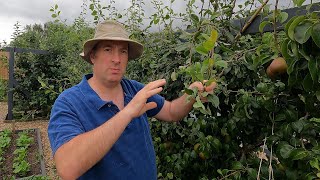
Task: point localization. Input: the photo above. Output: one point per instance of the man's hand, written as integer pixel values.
(202, 88)
(138, 105)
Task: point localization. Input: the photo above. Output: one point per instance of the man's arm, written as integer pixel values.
(180, 107)
(82, 152)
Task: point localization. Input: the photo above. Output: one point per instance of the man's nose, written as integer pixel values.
(116, 57)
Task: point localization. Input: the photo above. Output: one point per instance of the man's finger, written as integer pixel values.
(210, 88)
(150, 105)
(155, 84)
(154, 91)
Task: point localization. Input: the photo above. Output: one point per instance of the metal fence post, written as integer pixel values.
(11, 78)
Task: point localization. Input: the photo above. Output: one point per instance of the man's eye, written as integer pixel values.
(107, 49)
(125, 51)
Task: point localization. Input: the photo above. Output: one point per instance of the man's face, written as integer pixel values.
(110, 60)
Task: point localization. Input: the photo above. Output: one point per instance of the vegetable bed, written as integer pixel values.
(21, 154)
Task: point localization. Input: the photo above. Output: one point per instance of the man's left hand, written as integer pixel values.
(202, 88)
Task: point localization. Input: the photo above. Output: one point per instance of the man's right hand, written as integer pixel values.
(138, 105)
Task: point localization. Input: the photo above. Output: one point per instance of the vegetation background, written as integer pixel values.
(254, 126)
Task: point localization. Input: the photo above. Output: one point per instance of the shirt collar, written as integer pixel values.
(93, 97)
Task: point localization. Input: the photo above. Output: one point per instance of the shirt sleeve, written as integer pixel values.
(64, 124)
(155, 98)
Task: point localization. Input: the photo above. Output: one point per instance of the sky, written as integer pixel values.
(28, 12)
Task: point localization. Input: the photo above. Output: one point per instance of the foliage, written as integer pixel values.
(252, 127)
(20, 164)
(42, 77)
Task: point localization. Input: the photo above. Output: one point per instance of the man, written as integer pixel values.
(98, 129)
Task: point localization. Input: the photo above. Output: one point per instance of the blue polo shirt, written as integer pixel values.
(79, 109)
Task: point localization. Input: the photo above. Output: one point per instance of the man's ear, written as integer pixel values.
(92, 56)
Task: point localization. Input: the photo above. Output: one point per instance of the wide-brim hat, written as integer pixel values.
(113, 31)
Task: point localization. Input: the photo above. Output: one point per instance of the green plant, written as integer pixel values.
(21, 168)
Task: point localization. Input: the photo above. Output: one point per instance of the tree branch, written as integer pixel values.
(251, 19)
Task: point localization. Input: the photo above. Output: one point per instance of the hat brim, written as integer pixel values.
(135, 48)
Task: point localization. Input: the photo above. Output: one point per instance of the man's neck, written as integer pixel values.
(106, 91)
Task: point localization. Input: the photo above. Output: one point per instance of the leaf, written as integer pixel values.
(214, 100)
(262, 25)
(170, 175)
(222, 64)
(313, 68)
(202, 50)
(298, 154)
(315, 164)
(198, 104)
(293, 25)
(280, 117)
(291, 66)
(285, 150)
(283, 17)
(317, 120)
(298, 125)
(56, 6)
(194, 18)
(318, 95)
(214, 36)
(208, 45)
(286, 28)
(315, 34)
(53, 15)
(298, 2)
(307, 83)
(173, 76)
(284, 49)
(302, 32)
(236, 165)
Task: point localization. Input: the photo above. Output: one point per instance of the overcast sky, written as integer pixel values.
(37, 11)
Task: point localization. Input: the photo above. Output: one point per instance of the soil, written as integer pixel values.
(32, 158)
(43, 126)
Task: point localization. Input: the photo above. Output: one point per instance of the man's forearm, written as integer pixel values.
(180, 107)
(78, 155)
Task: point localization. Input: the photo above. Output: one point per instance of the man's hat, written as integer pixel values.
(114, 31)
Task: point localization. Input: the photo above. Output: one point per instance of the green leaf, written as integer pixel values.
(317, 120)
(202, 50)
(53, 15)
(262, 25)
(198, 104)
(298, 154)
(283, 17)
(291, 66)
(173, 76)
(298, 2)
(214, 36)
(285, 150)
(214, 100)
(315, 34)
(56, 6)
(298, 125)
(307, 83)
(170, 175)
(302, 32)
(280, 117)
(286, 28)
(293, 25)
(313, 68)
(315, 164)
(208, 45)
(236, 165)
(318, 95)
(284, 49)
(222, 64)
(194, 18)
(252, 173)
